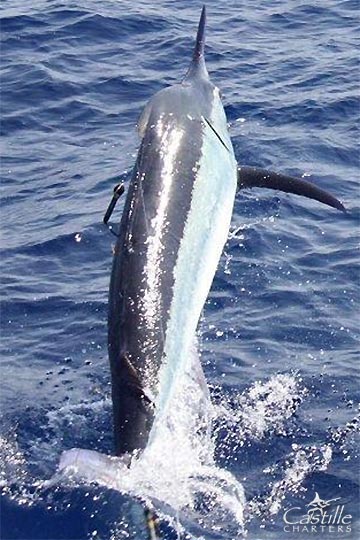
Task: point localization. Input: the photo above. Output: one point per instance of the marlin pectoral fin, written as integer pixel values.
(253, 177)
(118, 191)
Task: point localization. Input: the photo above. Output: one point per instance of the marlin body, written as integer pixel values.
(174, 226)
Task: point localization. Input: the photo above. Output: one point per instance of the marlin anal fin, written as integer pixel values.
(131, 381)
(249, 177)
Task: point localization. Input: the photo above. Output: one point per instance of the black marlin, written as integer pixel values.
(173, 228)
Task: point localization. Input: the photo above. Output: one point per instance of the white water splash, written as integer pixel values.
(12, 461)
(177, 474)
(301, 462)
(263, 408)
(177, 469)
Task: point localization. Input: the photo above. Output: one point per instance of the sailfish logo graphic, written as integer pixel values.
(319, 505)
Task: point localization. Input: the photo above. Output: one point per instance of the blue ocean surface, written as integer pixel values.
(279, 336)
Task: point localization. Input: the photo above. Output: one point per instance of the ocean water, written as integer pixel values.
(279, 337)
